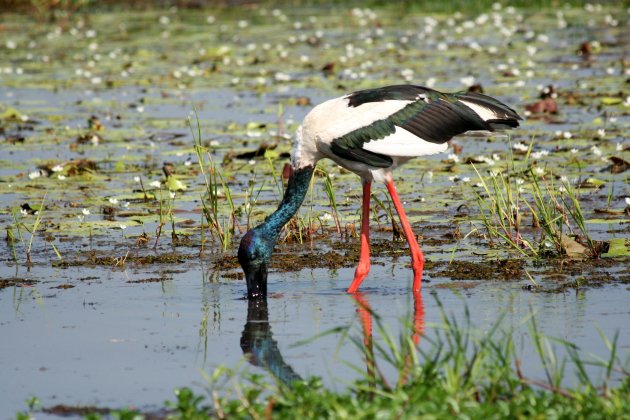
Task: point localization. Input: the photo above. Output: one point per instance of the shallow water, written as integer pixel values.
(107, 342)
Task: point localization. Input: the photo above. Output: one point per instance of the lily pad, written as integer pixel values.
(619, 247)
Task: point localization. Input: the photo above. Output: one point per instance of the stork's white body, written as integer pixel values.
(335, 118)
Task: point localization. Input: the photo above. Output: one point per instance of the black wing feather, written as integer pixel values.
(433, 116)
(358, 154)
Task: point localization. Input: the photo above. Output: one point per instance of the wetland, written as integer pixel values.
(137, 146)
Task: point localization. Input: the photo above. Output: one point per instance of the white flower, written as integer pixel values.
(57, 168)
(34, 174)
(126, 204)
(564, 179)
(156, 184)
(628, 201)
(171, 194)
(596, 151)
(562, 189)
(164, 20)
(619, 147)
(467, 81)
(601, 132)
(465, 179)
(113, 200)
(85, 212)
(11, 44)
(567, 135)
(136, 179)
(539, 170)
(521, 147)
(282, 77)
(61, 177)
(24, 212)
(122, 227)
(574, 151)
(453, 157)
(252, 162)
(519, 181)
(81, 218)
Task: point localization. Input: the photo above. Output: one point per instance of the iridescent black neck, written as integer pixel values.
(254, 253)
(293, 197)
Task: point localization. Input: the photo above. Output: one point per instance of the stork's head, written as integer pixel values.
(254, 254)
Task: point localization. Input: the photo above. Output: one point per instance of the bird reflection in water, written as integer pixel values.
(259, 346)
(262, 350)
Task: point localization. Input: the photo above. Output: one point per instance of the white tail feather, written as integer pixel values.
(483, 112)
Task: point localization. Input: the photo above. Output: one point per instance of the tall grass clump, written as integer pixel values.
(558, 212)
(558, 225)
(221, 227)
(22, 228)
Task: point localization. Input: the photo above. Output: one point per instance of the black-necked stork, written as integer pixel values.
(370, 132)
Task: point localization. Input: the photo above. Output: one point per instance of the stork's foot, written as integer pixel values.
(359, 275)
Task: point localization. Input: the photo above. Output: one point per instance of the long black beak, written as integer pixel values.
(257, 282)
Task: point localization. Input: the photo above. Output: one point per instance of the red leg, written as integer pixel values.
(417, 259)
(363, 268)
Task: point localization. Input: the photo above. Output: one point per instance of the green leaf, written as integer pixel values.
(619, 247)
(12, 114)
(174, 184)
(609, 100)
(592, 183)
